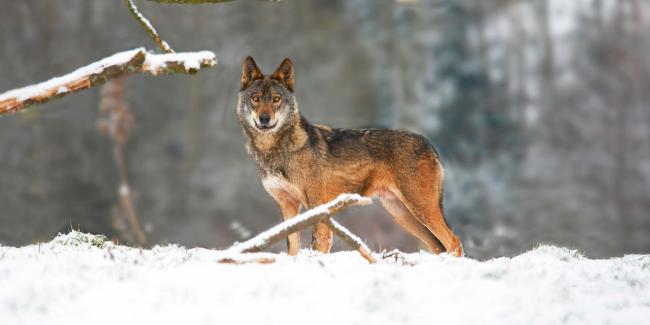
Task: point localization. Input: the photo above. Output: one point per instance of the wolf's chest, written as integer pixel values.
(278, 185)
(288, 166)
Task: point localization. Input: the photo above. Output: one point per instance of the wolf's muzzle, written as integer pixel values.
(265, 118)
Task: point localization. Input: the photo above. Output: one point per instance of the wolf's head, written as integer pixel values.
(266, 102)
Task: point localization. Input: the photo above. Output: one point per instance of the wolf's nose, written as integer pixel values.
(265, 118)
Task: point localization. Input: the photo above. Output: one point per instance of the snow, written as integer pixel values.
(142, 18)
(241, 231)
(191, 60)
(62, 90)
(84, 279)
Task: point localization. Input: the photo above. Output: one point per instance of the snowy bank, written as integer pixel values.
(84, 279)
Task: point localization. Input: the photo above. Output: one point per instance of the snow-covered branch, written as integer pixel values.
(114, 66)
(309, 218)
(351, 239)
(146, 24)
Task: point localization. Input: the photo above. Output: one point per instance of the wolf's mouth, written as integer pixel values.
(264, 127)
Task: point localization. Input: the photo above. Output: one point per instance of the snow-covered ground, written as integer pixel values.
(82, 279)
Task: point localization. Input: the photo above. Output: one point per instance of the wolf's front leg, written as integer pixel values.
(321, 239)
(290, 209)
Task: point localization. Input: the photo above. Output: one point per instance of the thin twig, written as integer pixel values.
(146, 24)
(352, 240)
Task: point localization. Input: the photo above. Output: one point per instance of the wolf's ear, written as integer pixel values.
(284, 74)
(250, 72)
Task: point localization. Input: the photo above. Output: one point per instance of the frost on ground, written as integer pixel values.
(84, 279)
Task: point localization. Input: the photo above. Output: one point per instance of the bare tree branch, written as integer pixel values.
(307, 219)
(116, 120)
(146, 24)
(97, 73)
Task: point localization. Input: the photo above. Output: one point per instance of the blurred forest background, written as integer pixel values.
(540, 110)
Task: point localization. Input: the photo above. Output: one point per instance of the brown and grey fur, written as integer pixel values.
(303, 164)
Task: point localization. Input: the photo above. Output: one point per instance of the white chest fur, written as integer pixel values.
(276, 186)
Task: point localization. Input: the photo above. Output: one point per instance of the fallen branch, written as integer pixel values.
(97, 73)
(261, 260)
(299, 222)
(146, 24)
(309, 218)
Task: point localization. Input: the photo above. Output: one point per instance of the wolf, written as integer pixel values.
(305, 165)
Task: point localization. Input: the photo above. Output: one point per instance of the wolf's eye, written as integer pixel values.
(276, 99)
(255, 98)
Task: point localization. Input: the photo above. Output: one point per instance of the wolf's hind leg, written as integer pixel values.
(430, 216)
(404, 218)
(422, 195)
(433, 219)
